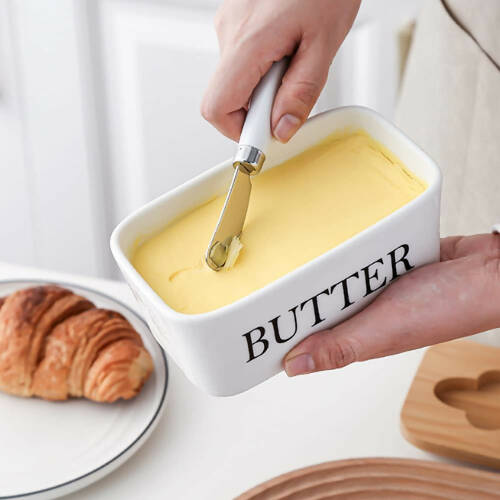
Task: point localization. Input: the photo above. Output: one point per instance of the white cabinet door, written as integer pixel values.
(99, 112)
(51, 194)
(16, 241)
(157, 62)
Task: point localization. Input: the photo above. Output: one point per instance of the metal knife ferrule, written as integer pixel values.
(249, 159)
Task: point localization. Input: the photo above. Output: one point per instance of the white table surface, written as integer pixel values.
(216, 448)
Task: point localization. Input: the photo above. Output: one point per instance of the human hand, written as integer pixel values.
(255, 33)
(456, 297)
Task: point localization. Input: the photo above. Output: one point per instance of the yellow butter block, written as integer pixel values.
(298, 211)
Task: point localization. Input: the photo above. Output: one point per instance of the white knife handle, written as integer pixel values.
(256, 133)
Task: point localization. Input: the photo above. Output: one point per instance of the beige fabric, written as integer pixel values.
(481, 18)
(450, 105)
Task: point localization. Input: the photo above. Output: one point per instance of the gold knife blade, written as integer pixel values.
(231, 220)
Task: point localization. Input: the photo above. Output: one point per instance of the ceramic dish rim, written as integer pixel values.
(124, 262)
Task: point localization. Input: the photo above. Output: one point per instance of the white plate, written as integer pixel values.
(49, 449)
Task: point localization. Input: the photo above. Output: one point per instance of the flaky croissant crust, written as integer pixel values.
(55, 344)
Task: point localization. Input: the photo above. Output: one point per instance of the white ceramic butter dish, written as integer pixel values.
(236, 347)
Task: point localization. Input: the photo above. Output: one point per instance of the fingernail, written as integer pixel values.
(286, 127)
(298, 365)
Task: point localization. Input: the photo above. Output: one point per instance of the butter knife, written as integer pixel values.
(248, 160)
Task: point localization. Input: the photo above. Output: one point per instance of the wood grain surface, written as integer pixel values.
(453, 405)
(379, 478)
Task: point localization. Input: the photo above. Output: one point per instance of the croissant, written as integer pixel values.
(55, 344)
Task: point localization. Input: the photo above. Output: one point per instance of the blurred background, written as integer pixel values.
(99, 112)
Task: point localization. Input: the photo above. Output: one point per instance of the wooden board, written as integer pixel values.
(453, 405)
(379, 478)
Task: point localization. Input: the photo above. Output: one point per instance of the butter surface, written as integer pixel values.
(298, 211)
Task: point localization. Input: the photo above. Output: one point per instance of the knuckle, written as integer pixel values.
(457, 247)
(306, 92)
(208, 111)
(494, 245)
(248, 42)
(218, 19)
(337, 354)
(492, 268)
(450, 252)
(491, 264)
(491, 258)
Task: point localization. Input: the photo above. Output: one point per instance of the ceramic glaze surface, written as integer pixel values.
(298, 210)
(231, 349)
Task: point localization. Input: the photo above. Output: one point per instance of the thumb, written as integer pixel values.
(435, 303)
(300, 88)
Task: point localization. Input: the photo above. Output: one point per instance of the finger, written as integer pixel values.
(301, 87)
(432, 304)
(455, 247)
(238, 73)
(448, 247)
(223, 104)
